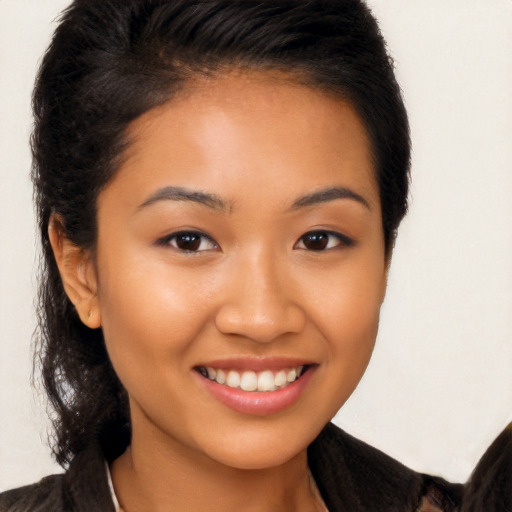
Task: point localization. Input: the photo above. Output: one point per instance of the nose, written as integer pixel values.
(259, 301)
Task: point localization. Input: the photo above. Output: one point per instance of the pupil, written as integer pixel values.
(316, 241)
(188, 242)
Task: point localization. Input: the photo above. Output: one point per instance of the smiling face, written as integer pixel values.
(241, 240)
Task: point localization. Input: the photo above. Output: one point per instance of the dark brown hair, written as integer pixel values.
(109, 62)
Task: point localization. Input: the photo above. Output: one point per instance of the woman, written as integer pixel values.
(219, 187)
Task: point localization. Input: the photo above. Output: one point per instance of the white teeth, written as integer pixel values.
(249, 380)
(292, 375)
(233, 379)
(280, 379)
(266, 381)
(220, 377)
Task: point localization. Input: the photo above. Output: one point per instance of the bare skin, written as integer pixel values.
(243, 228)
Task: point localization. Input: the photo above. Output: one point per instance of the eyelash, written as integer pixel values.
(317, 236)
(320, 235)
(202, 238)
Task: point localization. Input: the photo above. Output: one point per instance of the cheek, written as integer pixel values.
(352, 335)
(149, 315)
(350, 342)
(347, 313)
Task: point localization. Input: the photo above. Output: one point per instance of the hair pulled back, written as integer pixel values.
(109, 62)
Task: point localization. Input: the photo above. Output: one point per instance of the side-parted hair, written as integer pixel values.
(111, 61)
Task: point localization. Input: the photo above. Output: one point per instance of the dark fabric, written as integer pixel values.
(83, 488)
(354, 477)
(351, 476)
(489, 489)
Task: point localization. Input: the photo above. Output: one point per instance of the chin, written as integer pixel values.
(258, 458)
(253, 450)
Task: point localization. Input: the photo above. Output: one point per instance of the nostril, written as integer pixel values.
(262, 326)
(258, 300)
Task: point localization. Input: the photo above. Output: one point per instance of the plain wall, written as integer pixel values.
(439, 387)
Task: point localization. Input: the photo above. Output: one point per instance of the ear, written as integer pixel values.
(78, 274)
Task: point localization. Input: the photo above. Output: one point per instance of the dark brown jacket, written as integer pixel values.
(351, 476)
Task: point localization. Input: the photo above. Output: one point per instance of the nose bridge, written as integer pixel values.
(259, 303)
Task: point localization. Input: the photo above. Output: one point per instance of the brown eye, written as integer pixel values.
(322, 240)
(189, 241)
(315, 241)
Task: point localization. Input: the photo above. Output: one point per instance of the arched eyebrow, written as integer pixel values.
(329, 194)
(172, 193)
(183, 194)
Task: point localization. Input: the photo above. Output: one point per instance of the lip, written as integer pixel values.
(257, 364)
(259, 403)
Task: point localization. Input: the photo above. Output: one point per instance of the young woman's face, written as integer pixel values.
(240, 245)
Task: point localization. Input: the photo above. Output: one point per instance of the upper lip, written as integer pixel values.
(256, 363)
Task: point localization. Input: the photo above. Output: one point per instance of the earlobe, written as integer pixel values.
(77, 272)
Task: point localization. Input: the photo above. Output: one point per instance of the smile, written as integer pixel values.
(249, 380)
(256, 387)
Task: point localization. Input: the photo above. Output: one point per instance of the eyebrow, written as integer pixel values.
(329, 194)
(214, 202)
(183, 194)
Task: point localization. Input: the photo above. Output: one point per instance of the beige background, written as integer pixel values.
(439, 387)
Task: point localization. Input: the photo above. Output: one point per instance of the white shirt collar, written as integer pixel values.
(111, 488)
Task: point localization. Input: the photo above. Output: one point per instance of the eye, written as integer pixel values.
(323, 240)
(189, 241)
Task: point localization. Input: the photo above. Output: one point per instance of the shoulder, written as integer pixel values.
(45, 495)
(489, 487)
(82, 488)
(353, 475)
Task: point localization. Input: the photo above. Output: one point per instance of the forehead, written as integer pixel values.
(250, 130)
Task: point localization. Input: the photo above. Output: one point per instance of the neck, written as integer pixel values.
(160, 474)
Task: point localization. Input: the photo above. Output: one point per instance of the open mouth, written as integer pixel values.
(249, 380)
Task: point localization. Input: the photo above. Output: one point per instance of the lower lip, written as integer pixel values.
(258, 402)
